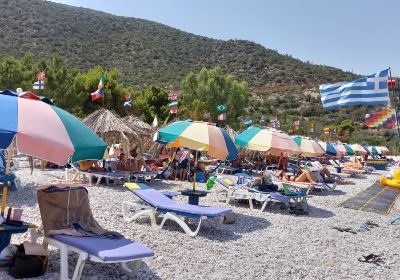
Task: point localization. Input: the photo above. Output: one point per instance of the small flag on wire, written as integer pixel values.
(173, 110)
(128, 101)
(173, 95)
(38, 85)
(221, 108)
(99, 93)
(372, 90)
(248, 122)
(41, 76)
(385, 119)
(327, 130)
(155, 122)
(222, 117)
(297, 122)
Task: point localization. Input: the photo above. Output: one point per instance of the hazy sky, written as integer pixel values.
(355, 35)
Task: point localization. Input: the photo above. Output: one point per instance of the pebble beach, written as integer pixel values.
(259, 245)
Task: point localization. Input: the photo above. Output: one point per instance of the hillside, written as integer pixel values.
(145, 52)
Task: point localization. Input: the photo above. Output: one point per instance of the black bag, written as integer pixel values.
(28, 266)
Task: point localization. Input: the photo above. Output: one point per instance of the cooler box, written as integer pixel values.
(378, 164)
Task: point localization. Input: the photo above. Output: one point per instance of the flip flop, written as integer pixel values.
(372, 258)
(371, 224)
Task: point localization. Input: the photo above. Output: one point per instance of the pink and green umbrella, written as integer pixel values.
(47, 132)
(309, 147)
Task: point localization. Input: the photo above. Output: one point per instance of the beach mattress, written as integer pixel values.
(107, 249)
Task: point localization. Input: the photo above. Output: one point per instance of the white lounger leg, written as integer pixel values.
(131, 272)
(182, 224)
(79, 265)
(63, 262)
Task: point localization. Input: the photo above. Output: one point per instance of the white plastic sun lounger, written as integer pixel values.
(151, 202)
(116, 176)
(351, 171)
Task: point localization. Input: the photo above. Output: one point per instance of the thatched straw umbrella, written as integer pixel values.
(144, 130)
(109, 126)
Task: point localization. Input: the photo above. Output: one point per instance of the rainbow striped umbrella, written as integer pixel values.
(309, 147)
(46, 132)
(267, 140)
(328, 148)
(199, 136)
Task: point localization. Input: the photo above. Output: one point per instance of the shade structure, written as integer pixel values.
(366, 149)
(384, 150)
(374, 150)
(340, 149)
(309, 147)
(328, 148)
(349, 150)
(46, 132)
(358, 149)
(200, 136)
(268, 140)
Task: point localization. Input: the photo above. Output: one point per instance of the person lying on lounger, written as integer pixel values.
(90, 165)
(303, 177)
(134, 164)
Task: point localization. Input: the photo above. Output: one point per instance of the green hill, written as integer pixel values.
(145, 52)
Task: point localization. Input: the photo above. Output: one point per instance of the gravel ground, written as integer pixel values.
(268, 245)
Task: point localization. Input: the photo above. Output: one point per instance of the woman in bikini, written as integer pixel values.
(303, 177)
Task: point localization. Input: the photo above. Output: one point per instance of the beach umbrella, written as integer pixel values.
(384, 150)
(268, 140)
(46, 132)
(349, 150)
(199, 136)
(375, 150)
(340, 149)
(309, 147)
(366, 149)
(358, 149)
(328, 148)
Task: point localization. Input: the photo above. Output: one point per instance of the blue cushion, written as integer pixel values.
(107, 249)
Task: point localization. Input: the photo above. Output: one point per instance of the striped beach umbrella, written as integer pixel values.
(374, 150)
(267, 140)
(199, 136)
(328, 148)
(340, 149)
(358, 149)
(349, 150)
(309, 147)
(47, 132)
(384, 150)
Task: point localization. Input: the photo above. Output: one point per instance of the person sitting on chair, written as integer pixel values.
(303, 177)
(90, 165)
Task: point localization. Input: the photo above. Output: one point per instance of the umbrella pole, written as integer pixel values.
(195, 171)
(4, 194)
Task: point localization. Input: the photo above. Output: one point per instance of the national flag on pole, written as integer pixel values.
(173, 105)
(248, 122)
(221, 108)
(297, 122)
(173, 111)
(155, 122)
(173, 95)
(372, 90)
(41, 76)
(222, 117)
(99, 93)
(38, 85)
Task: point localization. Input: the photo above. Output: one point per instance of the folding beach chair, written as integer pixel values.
(89, 248)
(150, 202)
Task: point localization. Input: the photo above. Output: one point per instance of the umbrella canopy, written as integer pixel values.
(309, 147)
(109, 126)
(358, 149)
(340, 149)
(199, 136)
(384, 150)
(46, 132)
(349, 150)
(28, 95)
(366, 149)
(328, 148)
(267, 140)
(375, 150)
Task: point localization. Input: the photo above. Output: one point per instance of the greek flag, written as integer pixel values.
(372, 90)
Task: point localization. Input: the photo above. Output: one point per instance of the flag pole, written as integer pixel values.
(396, 109)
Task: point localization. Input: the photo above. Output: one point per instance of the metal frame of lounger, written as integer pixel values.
(143, 208)
(98, 175)
(249, 191)
(144, 175)
(84, 256)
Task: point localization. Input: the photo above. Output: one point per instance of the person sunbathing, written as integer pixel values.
(90, 165)
(353, 165)
(303, 177)
(133, 164)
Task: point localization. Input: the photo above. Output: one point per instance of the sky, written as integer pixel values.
(354, 35)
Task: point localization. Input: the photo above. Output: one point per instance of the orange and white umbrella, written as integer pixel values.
(309, 147)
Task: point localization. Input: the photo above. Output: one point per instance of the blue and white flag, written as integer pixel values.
(372, 90)
(38, 85)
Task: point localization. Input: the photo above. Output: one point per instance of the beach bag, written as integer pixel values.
(27, 266)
